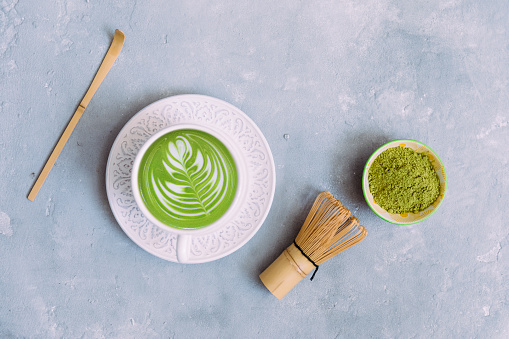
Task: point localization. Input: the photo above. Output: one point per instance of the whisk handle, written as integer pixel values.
(286, 271)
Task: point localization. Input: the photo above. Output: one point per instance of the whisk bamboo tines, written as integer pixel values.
(330, 228)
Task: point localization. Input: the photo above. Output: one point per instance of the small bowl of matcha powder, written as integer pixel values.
(404, 181)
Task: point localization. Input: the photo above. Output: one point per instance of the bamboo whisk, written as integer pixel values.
(329, 229)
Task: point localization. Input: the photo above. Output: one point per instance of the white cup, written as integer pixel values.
(184, 236)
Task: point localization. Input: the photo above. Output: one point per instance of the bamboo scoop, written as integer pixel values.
(329, 229)
(109, 59)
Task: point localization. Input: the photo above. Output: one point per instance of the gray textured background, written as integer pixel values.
(340, 78)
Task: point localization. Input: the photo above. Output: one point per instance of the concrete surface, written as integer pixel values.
(339, 79)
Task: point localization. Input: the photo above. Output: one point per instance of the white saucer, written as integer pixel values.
(207, 111)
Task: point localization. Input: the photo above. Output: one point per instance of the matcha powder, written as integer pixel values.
(403, 180)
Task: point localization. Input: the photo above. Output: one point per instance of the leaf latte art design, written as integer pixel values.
(188, 179)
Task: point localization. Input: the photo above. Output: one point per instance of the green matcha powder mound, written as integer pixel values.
(403, 180)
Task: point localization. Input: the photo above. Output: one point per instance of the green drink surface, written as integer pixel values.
(187, 179)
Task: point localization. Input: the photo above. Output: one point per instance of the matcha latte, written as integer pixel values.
(187, 179)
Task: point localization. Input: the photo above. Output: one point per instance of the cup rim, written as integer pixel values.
(365, 173)
(239, 165)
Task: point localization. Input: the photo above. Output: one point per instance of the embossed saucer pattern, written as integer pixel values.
(207, 111)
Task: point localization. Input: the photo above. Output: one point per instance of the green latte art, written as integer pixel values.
(187, 179)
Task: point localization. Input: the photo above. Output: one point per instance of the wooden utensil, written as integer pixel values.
(109, 59)
(329, 229)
